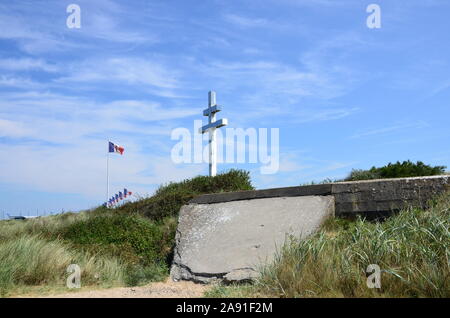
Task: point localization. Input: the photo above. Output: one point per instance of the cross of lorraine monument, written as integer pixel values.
(211, 111)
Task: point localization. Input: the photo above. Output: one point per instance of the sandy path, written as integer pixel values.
(167, 289)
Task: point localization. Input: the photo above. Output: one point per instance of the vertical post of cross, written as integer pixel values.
(212, 135)
(211, 111)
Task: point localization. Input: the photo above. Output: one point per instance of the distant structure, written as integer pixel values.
(20, 217)
(211, 111)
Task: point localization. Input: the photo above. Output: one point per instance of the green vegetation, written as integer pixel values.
(131, 236)
(168, 199)
(129, 245)
(396, 170)
(133, 244)
(411, 248)
(31, 260)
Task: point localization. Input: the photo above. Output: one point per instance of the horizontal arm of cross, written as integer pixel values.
(217, 124)
(212, 110)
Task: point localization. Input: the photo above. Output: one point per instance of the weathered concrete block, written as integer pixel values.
(228, 241)
(226, 236)
(384, 196)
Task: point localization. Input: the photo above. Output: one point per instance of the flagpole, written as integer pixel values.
(107, 176)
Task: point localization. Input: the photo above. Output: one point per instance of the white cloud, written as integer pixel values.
(81, 168)
(14, 129)
(64, 149)
(18, 82)
(132, 71)
(38, 33)
(390, 129)
(245, 21)
(74, 117)
(26, 64)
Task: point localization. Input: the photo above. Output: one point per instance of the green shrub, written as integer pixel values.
(169, 198)
(396, 170)
(143, 241)
(139, 275)
(360, 174)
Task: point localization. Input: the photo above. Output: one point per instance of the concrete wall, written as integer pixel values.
(229, 240)
(371, 198)
(227, 236)
(375, 198)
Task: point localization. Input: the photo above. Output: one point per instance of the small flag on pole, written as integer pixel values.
(120, 195)
(116, 148)
(127, 193)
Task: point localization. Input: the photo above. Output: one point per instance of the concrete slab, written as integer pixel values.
(230, 240)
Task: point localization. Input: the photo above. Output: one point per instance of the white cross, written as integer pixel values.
(211, 111)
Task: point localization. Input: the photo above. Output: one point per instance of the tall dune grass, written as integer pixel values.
(31, 260)
(43, 226)
(412, 250)
(129, 245)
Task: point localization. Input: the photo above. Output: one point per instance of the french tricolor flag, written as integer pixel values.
(116, 148)
(126, 192)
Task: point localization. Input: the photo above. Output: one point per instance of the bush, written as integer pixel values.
(139, 275)
(169, 198)
(396, 170)
(131, 237)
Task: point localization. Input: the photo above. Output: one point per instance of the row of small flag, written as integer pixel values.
(117, 197)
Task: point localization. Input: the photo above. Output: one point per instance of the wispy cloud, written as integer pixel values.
(245, 22)
(390, 129)
(18, 82)
(137, 69)
(131, 71)
(27, 64)
(10, 128)
(67, 136)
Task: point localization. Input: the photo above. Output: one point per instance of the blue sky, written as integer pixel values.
(343, 96)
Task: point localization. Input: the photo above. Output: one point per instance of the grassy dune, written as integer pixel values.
(31, 260)
(133, 244)
(130, 245)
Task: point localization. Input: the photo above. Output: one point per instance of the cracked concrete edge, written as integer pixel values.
(180, 272)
